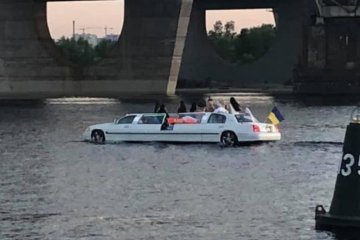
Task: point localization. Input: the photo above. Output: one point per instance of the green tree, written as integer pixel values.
(103, 47)
(222, 38)
(230, 30)
(81, 53)
(217, 31)
(246, 47)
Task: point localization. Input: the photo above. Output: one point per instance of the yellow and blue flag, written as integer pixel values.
(275, 116)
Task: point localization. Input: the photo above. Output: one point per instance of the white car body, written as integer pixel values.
(210, 127)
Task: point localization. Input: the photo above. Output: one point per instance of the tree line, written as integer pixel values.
(245, 47)
(81, 52)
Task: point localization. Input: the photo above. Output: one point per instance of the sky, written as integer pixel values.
(96, 16)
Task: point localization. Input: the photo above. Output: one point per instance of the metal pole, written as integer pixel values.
(73, 30)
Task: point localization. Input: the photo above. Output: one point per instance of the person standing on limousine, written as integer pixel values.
(182, 107)
(210, 107)
(235, 105)
(219, 108)
(193, 107)
(162, 109)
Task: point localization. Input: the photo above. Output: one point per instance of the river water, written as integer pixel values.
(53, 186)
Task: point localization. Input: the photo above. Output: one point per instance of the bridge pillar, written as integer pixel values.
(26, 68)
(2, 70)
(331, 61)
(202, 66)
(145, 61)
(148, 55)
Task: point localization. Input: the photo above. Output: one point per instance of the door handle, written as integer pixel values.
(221, 126)
(126, 126)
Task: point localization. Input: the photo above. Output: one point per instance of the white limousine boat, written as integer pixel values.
(200, 127)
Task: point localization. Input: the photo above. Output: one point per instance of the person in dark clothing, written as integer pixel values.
(156, 107)
(201, 104)
(193, 107)
(182, 107)
(209, 105)
(162, 109)
(235, 104)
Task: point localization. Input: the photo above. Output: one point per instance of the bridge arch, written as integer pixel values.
(202, 64)
(231, 50)
(99, 29)
(140, 65)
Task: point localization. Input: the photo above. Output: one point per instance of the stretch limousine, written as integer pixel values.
(225, 128)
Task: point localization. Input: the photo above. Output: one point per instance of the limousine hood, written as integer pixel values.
(101, 126)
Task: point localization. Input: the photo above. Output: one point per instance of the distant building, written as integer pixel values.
(91, 38)
(112, 37)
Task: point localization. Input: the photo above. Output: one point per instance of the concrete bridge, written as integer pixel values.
(164, 42)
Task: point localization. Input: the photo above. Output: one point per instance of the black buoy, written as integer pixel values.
(344, 211)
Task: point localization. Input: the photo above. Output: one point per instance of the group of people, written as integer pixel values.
(221, 106)
(209, 106)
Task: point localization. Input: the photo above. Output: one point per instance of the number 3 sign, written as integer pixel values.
(349, 161)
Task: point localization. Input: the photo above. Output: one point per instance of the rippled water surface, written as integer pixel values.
(53, 186)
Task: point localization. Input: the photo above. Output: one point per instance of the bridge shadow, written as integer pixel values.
(22, 103)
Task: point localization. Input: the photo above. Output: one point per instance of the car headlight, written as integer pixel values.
(87, 129)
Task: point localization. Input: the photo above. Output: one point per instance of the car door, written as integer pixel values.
(184, 132)
(213, 126)
(148, 128)
(119, 131)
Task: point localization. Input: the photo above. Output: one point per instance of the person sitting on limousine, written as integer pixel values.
(219, 108)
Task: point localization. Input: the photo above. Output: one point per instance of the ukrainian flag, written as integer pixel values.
(275, 116)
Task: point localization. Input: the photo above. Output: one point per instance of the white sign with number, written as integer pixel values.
(349, 161)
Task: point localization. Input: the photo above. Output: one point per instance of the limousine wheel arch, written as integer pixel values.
(228, 139)
(97, 136)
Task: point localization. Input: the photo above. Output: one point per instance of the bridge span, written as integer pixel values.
(164, 42)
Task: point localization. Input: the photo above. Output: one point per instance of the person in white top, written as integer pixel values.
(219, 108)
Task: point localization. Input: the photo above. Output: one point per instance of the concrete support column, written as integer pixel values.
(203, 66)
(316, 49)
(147, 58)
(145, 61)
(181, 34)
(26, 66)
(2, 70)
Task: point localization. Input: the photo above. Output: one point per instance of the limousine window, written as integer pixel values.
(217, 118)
(151, 119)
(242, 119)
(126, 120)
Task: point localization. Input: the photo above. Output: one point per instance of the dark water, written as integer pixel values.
(54, 187)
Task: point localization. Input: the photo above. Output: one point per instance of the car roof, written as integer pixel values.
(145, 114)
(185, 113)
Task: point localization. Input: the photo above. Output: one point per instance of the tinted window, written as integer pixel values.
(217, 118)
(241, 118)
(152, 119)
(126, 120)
